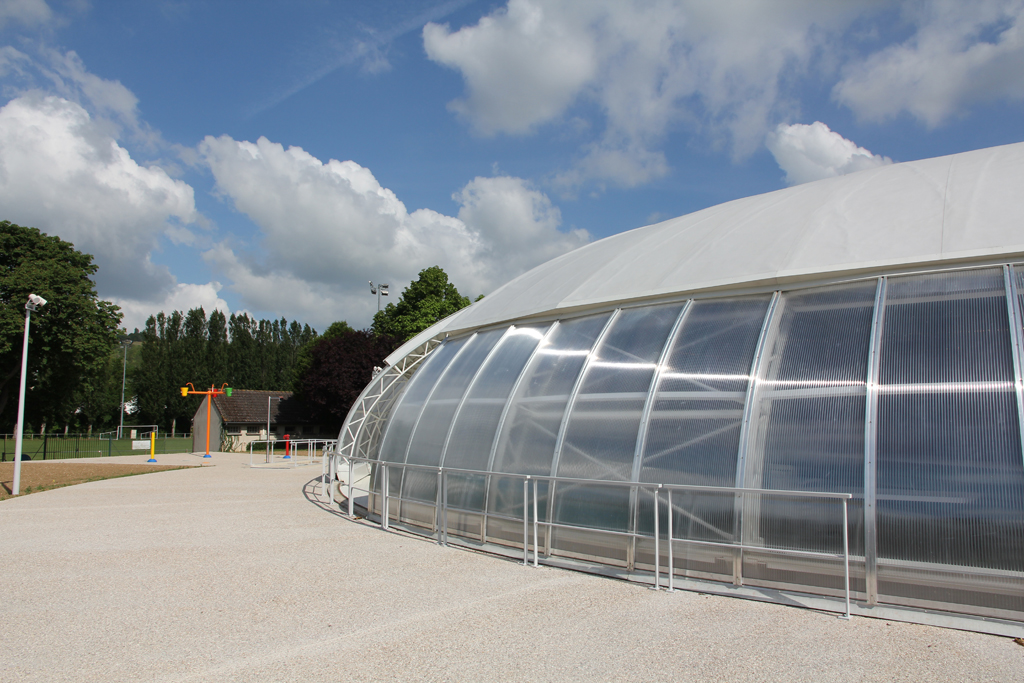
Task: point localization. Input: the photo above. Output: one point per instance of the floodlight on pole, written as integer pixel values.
(125, 343)
(379, 290)
(33, 304)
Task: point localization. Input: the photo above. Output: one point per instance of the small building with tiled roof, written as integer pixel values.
(243, 417)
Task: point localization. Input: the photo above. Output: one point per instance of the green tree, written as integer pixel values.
(340, 367)
(99, 398)
(424, 302)
(303, 359)
(71, 337)
(187, 347)
(217, 348)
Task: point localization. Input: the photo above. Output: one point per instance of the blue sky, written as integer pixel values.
(272, 157)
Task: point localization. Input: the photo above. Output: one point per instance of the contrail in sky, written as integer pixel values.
(360, 49)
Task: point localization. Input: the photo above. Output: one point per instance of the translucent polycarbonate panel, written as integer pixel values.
(600, 436)
(526, 443)
(950, 476)
(428, 438)
(694, 428)
(601, 432)
(809, 412)
(469, 446)
(403, 417)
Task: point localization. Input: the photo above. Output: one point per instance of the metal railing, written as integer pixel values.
(441, 509)
(299, 451)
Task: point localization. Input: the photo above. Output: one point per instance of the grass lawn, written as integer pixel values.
(43, 476)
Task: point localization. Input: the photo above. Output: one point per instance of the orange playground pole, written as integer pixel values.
(185, 391)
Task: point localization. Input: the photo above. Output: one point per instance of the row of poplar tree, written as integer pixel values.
(190, 347)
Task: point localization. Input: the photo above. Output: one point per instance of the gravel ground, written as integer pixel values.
(228, 573)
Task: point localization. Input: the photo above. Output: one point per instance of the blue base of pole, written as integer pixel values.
(287, 457)
(151, 460)
(207, 456)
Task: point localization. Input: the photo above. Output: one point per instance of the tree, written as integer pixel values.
(424, 302)
(340, 367)
(304, 357)
(241, 351)
(216, 359)
(71, 337)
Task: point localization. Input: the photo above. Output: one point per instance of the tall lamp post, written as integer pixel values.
(379, 290)
(33, 304)
(126, 343)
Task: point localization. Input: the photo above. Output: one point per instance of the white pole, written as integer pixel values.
(15, 487)
(124, 370)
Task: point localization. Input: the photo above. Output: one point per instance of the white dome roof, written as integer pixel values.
(959, 207)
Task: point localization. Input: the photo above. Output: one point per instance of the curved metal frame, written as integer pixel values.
(748, 429)
(871, 446)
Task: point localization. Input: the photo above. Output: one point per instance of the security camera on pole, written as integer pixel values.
(34, 302)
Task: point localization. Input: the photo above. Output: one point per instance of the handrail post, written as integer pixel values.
(437, 506)
(384, 497)
(657, 540)
(671, 558)
(329, 468)
(536, 536)
(526, 521)
(846, 554)
(351, 503)
(444, 504)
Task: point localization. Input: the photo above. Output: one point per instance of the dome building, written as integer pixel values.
(756, 369)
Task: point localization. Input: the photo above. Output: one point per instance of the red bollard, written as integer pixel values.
(286, 454)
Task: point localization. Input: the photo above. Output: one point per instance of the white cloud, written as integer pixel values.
(28, 12)
(960, 54)
(523, 65)
(517, 226)
(48, 71)
(62, 172)
(329, 227)
(717, 68)
(726, 72)
(181, 297)
(812, 152)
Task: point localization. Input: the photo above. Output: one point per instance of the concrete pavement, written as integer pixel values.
(228, 573)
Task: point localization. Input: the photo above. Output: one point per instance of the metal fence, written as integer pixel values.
(59, 446)
(658, 494)
(290, 452)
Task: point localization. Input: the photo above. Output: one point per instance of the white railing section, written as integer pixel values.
(658, 492)
(300, 452)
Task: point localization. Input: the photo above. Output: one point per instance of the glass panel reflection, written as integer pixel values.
(809, 410)
(600, 437)
(469, 446)
(950, 479)
(526, 444)
(428, 438)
